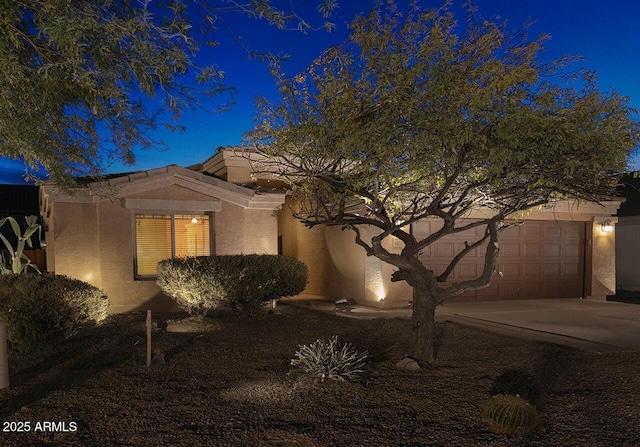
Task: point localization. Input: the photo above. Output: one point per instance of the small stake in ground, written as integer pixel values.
(148, 339)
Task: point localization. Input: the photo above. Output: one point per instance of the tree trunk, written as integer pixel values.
(423, 340)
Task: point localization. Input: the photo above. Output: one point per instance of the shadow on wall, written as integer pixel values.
(157, 303)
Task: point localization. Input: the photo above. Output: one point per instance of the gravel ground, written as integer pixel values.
(224, 382)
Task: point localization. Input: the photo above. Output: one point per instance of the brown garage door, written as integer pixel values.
(538, 259)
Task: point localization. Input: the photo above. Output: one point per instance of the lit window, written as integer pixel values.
(165, 236)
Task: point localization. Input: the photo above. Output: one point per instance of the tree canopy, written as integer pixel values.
(421, 116)
(76, 75)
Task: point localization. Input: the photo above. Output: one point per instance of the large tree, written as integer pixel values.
(76, 75)
(419, 116)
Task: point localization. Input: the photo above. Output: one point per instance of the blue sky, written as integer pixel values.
(604, 33)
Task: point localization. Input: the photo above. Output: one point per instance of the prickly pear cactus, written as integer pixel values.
(504, 413)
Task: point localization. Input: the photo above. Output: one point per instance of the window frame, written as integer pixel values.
(172, 215)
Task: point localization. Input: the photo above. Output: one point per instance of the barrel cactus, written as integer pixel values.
(508, 414)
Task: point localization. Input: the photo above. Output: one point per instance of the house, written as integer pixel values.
(627, 235)
(567, 250)
(113, 232)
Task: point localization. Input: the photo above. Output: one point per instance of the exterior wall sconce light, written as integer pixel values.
(606, 227)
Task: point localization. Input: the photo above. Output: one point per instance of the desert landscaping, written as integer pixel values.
(224, 381)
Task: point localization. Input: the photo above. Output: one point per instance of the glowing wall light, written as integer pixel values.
(606, 227)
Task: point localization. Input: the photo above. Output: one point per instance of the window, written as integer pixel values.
(164, 236)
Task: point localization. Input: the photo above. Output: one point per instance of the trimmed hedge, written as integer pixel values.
(199, 284)
(41, 309)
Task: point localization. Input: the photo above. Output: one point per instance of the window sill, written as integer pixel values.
(145, 278)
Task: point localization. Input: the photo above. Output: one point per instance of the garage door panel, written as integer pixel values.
(531, 229)
(553, 249)
(552, 230)
(571, 250)
(445, 249)
(572, 230)
(510, 270)
(510, 249)
(570, 269)
(531, 249)
(538, 259)
(472, 233)
(467, 271)
(530, 270)
(551, 269)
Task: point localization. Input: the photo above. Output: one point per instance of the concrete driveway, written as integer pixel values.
(590, 325)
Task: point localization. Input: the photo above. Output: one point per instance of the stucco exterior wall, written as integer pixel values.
(239, 230)
(347, 265)
(601, 276)
(77, 252)
(308, 246)
(229, 230)
(117, 250)
(173, 192)
(261, 231)
(338, 267)
(94, 241)
(627, 235)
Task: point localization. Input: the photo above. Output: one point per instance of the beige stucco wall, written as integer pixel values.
(94, 242)
(77, 252)
(260, 231)
(116, 264)
(627, 235)
(338, 267)
(601, 251)
(240, 230)
(361, 278)
(308, 246)
(228, 230)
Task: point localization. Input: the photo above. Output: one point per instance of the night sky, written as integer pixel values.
(604, 33)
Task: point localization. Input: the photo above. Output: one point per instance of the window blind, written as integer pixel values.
(165, 236)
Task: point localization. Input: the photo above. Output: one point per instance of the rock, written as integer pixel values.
(408, 364)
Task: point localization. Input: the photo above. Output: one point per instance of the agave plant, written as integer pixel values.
(18, 261)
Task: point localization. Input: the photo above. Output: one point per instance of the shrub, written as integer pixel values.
(195, 288)
(331, 360)
(513, 415)
(517, 381)
(199, 284)
(40, 309)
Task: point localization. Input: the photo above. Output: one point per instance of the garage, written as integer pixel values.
(538, 259)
